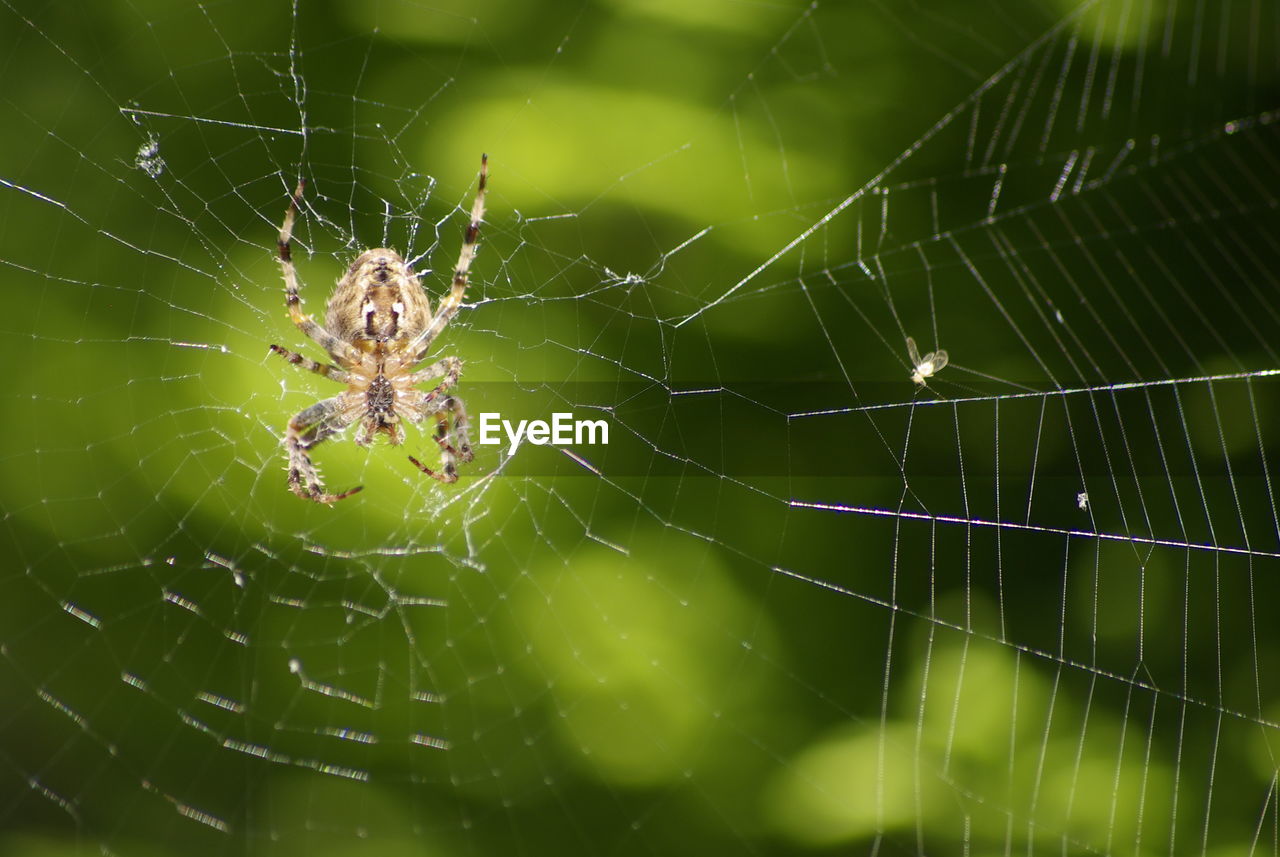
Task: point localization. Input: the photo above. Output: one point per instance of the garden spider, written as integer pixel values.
(378, 326)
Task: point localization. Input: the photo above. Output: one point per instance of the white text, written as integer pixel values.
(563, 430)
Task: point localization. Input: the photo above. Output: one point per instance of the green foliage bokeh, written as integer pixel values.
(672, 656)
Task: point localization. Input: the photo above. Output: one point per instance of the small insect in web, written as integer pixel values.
(378, 327)
(923, 368)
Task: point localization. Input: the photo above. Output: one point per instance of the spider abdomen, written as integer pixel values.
(379, 300)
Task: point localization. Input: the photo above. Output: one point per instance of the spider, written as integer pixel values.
(378, 326)
(921, 369)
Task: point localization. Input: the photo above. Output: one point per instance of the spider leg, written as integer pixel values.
(449, 369)
(450, 303)
(441, 409)
(331, 372)
(306, 430)
(341, 351)
(460, 423)
(435, 402)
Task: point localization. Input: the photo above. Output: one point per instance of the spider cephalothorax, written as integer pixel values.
(378, 328)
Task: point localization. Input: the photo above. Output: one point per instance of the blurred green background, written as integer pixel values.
(797, 605)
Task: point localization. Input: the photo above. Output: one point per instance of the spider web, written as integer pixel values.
(798, 603)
